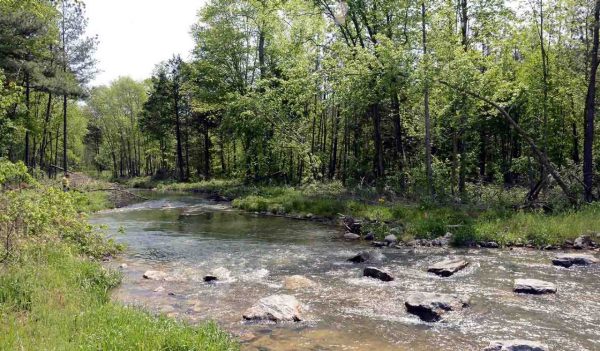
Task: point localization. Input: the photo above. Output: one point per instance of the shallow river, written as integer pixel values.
(189, 237)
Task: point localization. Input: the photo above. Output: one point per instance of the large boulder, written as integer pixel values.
(377, 273)
(583, 242)
(275, 308)
(448, 267)
(568, 260)
(516, 345)
(294, 282)
(431, 307)
(155, 275)
(534, 286)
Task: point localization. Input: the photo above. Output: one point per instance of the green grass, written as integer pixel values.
(54, 300)
(538, 228)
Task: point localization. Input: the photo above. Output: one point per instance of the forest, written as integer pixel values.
(430, 99)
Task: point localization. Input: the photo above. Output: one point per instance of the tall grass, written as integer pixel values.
(54, 300)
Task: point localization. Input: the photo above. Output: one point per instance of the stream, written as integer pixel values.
(188, 237)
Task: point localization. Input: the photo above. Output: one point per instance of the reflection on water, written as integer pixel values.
(189, 237)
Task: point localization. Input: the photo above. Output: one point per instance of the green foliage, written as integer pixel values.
(13, 173)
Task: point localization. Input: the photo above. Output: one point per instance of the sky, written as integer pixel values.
(135, 35)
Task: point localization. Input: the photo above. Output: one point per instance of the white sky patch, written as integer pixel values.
(135, 35)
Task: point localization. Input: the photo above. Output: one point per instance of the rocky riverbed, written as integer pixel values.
(328, 301)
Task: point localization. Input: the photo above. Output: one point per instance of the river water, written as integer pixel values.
(189, 237)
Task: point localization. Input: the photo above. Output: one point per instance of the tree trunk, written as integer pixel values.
(377, 139)
(589, 113)
(428, 161)
(65, 161)
(178, 133)
(28, 106)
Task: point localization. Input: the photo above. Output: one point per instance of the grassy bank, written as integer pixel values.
(384, 214)
(53, 299)
(54, 293)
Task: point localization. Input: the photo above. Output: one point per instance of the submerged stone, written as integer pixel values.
(155, 275)
(516, 345)
(431, 307)
(361, 257)
(297, 282)
(448, 267)
(534, 286)
(275, 308)
(377, 273)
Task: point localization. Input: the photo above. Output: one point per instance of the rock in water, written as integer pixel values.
(377, 273)
(448, 267)
(210, 278)
(351, 236)
(431, 307)
(534, 286)
(567, 260)
(490, 244)
(275, 308)
(155, 275)
(378, 243)
(582, 242)
(297, 282)
(516, 345)
(361, 257)
(390, 240)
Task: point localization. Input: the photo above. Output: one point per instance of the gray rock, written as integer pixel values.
(275, 308)
(516, 345)
(377, 273)
(567, 260)
(431, 307)
(370, 237)
(534, 286)
(155, 275)
(448, 267)
(351, 236)
(582, 242)
(390, 240)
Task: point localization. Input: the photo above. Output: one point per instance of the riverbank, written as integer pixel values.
(54, 290)
(491, 221)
